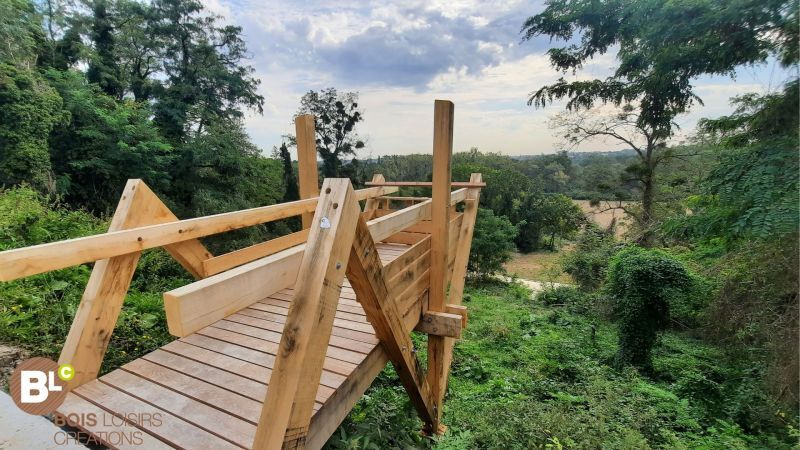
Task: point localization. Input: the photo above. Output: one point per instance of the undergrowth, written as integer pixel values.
(526, 375)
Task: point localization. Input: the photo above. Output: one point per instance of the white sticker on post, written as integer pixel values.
(324, 223)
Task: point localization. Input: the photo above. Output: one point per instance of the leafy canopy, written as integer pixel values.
(661, 47)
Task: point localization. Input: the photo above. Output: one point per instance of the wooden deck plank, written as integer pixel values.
(77, 407)
(208, 418)
(331, 364)
(214, 396)
(173, 430)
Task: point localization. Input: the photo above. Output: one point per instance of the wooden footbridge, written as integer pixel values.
(277, 341)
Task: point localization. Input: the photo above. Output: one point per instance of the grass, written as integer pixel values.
(542, 265)
(530, 376)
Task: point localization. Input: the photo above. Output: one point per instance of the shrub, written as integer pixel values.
(492, 244)
(641, 283)
(588, 263)
(560, 295)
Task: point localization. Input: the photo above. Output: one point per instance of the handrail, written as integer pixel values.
(22, 262)
(455, 184)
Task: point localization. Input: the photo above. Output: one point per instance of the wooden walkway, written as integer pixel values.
(276, 341)
(208, 387)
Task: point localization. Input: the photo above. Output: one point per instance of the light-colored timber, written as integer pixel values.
(277, 341)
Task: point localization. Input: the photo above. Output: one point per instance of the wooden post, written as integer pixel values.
(108, 284)
(371, 205)
(289, 402)
(440, 221)
(307, 174)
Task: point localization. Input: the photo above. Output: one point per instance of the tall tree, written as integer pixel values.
(292, 191)
(205, 79)
(337, 116)
(661, 48)
(103, 68)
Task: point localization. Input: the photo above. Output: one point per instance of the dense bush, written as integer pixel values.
(642, 283)
(492, 244)
(587, 264)
(560, 295)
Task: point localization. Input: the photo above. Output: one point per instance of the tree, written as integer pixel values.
(104, 143)
(201, 64)
(336, 118)
(623, 126)
(29, 110)
(538, 215)
(492, 244)
(292, 191)
(661, 50)
(103, 68)
(20, 29)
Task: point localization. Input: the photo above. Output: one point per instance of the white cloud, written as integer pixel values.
(401, 56)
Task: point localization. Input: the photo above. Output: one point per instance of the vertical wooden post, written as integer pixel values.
(307, 174)
(289, 402)
(108, 284)
(440, 221)
(371, 205)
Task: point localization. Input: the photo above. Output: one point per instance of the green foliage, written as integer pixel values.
(29, 110)
(660, 50)
(36, 312)
(19, 32)
(105, 143)
(547, 216)
(521, 380)
(641, 283)
(492, 244)
(560, 295)
(588, 262)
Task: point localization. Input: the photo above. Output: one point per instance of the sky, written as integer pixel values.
(402, 55)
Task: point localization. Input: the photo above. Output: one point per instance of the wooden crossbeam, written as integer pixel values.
(108, 284)
(289, 402)
(458, 184)
(365, 273)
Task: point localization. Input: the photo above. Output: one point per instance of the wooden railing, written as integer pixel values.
(421, 289)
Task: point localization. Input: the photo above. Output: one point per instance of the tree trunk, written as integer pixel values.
(648, 192)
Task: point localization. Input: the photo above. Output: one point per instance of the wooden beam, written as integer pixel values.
(289, 402)
(440, 218)
(365, 273)
(307, 173)
(440, 324)
(371, 205)
(108, 285)
(37, 259)
(245, 255)
(464, 243)
(461, 311)
(458, 184)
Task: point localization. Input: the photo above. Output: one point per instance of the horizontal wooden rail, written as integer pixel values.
(235, 258)
(203, 302)
(455, 184)
(28, 261)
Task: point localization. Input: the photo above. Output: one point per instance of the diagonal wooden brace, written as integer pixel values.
(365, 273)
(108, 284)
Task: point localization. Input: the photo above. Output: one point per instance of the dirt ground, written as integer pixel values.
(10, 357)
(541, 266)
(604, 218)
